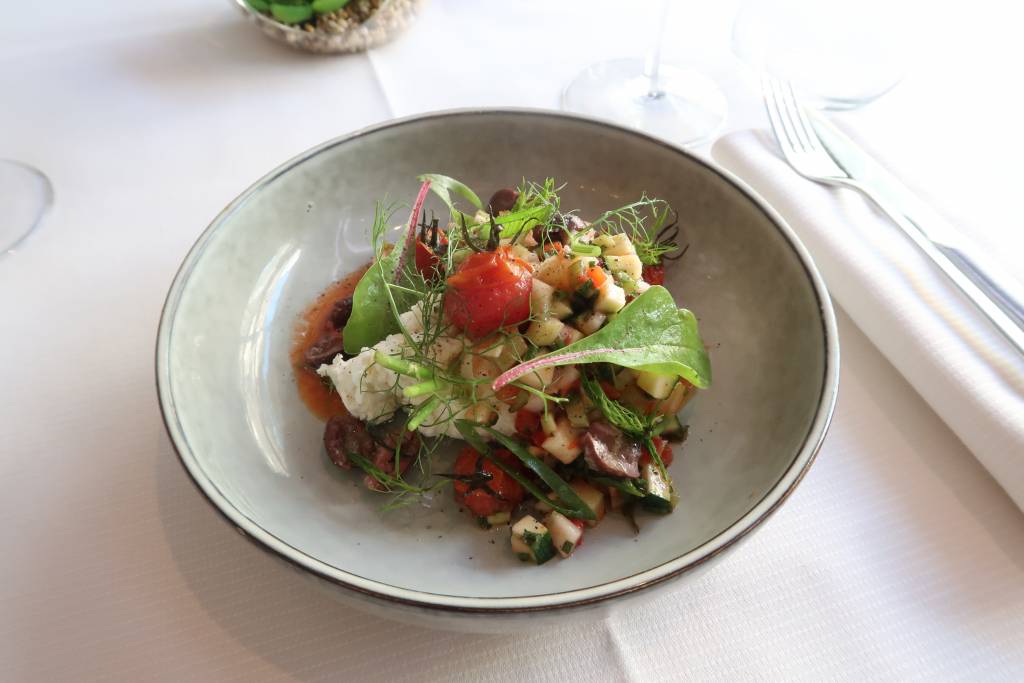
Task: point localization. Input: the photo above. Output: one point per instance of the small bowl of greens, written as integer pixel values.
(240, 399)
(331, 26)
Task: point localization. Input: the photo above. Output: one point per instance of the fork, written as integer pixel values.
(805, 152)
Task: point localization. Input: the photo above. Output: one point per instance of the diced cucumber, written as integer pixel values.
(569, 335)
(576, 411)
(499, 518)
(539, 378)
(659, 491)
(548, 423)
(592, 497)
(554, 270)
(565, 377)
(531, 541)
(621, 246)
(610, 298)
(544, 332)
(630, 265)
(564, 534)
(563, 443)
(540, 299)
(590, 322)
(560, 309)
(657, 386)
(668, 427)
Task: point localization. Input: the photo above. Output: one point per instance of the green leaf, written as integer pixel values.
(291, 14)
(568, 503)
(649, 334)
(372, 318)
(626, 486)
(258, 5)
(325, 6)
(443, 186)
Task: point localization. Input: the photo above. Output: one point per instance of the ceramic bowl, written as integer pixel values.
(231, 407)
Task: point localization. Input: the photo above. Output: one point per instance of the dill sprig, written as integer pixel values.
(646, 222)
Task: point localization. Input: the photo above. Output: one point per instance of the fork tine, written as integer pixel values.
(808, 136)
(771, 102)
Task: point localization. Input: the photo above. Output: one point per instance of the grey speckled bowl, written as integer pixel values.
(232, 411)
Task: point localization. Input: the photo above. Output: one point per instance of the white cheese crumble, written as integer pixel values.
(369, 391)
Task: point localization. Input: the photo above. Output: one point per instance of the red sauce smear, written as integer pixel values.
(323, 402)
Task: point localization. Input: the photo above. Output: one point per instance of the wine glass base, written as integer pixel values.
(25, 196)
(687, 108)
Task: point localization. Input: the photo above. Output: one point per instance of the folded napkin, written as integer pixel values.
(933, 336)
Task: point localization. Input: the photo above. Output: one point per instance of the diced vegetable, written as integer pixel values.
(499, 518)
(630, 265)
(681, 393)
(569, 335)
(538, 379)
(531, 541)
(563, 443)
(576, 412)
(590, 322)
(565, 378)
(564, 534)
(610, 298)
(659, 492)
(658, 386)
(540, 299)
(621, 246)
(593, 498)
(668, 427)
(544, 332)
(554, 270)
(579, 268)
(548, 423)
(560, 309)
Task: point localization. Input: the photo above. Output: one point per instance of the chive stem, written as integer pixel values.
(428, 387)
(402, 366)
(421, 413)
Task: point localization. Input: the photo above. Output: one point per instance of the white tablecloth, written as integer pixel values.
(897, 558)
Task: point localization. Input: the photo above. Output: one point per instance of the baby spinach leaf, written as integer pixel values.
(443, 186)
(375, 304)
(650, 334)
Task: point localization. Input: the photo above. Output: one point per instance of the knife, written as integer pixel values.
(1006, 291)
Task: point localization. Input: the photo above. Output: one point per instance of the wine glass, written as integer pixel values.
(836, 60)
(25, 196)
(674, 102)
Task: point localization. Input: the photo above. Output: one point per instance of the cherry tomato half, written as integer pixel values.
(489, 291)
(654, 275)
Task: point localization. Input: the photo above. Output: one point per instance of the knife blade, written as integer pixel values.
(1006, 290)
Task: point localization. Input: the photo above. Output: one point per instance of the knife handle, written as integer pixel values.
(991, 294)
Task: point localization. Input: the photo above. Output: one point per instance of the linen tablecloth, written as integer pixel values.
(897, 558)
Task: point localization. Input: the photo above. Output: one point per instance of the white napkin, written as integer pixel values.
(932, 335)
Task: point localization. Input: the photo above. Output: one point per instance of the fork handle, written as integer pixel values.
(991, 292)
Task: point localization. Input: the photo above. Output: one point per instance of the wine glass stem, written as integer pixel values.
(653, 65)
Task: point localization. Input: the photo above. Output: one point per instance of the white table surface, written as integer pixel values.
(897, 558)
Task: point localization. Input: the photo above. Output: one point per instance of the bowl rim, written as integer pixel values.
(724, 540)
